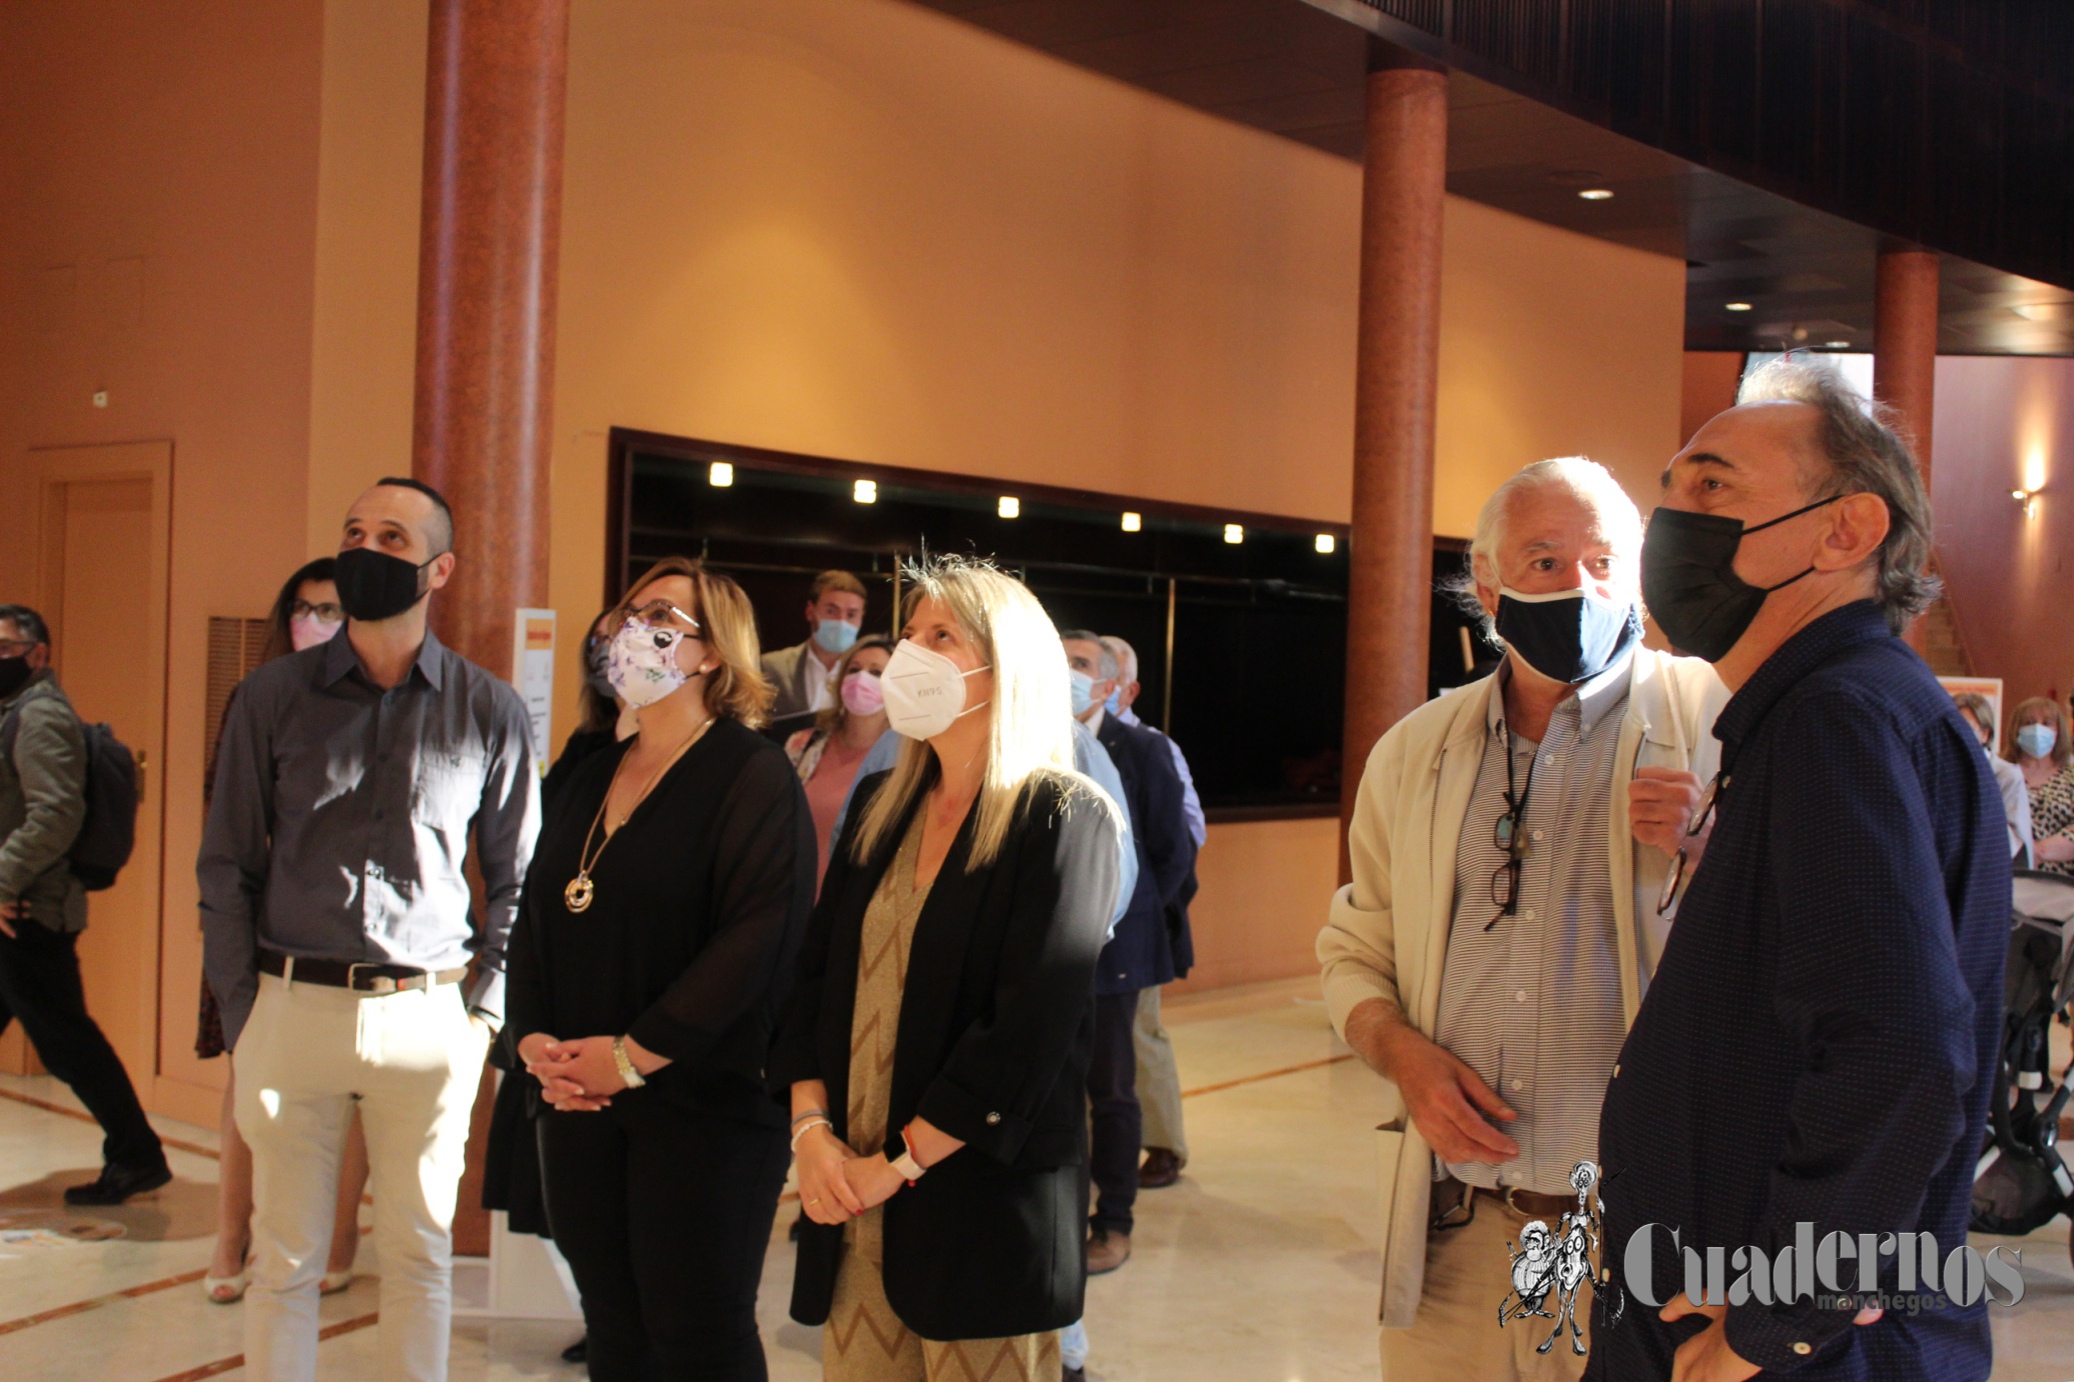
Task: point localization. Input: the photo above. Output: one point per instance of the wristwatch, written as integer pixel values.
(629, 1076)
(902, 1159)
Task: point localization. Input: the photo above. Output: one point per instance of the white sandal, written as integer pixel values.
(334, 1282)
(227, 1290)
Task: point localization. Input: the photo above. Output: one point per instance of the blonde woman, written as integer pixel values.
(2038, 744)
(654, 945)
(937, 1043)
(828, 755)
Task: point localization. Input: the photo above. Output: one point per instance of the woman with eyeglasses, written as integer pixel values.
(936, 1050)
(2039, 744)
(653, 948)
(305, 615)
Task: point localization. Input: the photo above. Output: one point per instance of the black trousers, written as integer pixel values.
(664, 1212)
(1112, 1095)
(39, 984)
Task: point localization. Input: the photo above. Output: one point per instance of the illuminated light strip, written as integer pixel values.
(237, 1360)
(1268, 1075)
(195, 1147)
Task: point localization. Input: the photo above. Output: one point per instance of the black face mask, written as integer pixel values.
(14, 675)
(1567, 636)
(1690, 583)
(374, 585)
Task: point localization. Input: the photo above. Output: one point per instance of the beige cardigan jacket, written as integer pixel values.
(1388, 930)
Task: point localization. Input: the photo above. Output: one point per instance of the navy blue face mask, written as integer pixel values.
(1567, 635)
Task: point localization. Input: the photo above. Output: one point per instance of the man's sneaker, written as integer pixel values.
(1107, 1251)
(118, 1184)
(1073, 1374)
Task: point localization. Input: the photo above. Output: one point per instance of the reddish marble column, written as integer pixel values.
(489, 248)
(488, 254)
(1904, 354)
(1397, 360)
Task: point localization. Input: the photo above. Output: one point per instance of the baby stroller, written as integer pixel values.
(2022, 1182)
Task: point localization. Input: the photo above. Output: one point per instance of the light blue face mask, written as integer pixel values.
(1083, 693)
(1114, 705)
(835, 635)
(2036, 741)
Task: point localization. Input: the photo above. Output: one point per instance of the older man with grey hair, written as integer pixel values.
(1508, 845)
(1159, 1076)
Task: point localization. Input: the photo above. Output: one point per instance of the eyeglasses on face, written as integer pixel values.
(329, 611)
(661, 614)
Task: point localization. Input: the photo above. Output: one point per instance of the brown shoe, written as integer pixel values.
(1107, 1251)
(1161, 1169)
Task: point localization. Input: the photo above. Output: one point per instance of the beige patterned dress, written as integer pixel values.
(865, 1341)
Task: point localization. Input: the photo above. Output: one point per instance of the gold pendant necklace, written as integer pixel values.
(580, 890)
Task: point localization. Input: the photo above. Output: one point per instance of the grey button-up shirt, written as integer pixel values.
(341, 817)
(1532, 1004)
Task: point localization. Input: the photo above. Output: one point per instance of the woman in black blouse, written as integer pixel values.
(660, 926)
(936, 1049)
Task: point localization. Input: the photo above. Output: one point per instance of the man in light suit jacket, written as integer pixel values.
(1508, 845)
(835, 611)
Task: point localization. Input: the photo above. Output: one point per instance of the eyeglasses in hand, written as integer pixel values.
(1682, 861)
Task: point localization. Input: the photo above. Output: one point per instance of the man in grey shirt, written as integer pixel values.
(338, 936)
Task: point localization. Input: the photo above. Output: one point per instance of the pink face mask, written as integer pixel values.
(307, 630)
(862, 695)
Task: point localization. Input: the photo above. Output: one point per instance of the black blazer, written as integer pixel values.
(1143, 954)
(996, 1030)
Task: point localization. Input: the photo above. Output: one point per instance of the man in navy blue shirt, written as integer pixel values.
(1820, 1039)
(1141, 953)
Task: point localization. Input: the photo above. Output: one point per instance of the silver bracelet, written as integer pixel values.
(810, 1113)
(799, 1132)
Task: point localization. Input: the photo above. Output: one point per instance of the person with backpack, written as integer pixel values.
(45, 768)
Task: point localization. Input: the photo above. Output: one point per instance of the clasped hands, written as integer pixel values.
(835, 1183)
(580, 1076)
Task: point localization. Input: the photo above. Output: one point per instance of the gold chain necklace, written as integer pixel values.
(581, 890)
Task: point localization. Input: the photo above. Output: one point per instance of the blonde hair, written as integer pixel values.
(831, 717)
(1030, 735)
(2062, 751)
(737, 688)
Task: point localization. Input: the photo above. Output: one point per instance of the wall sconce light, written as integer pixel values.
(1325, 543)
(1009, 507)
(866, 492)
(1132, 522)
(2027, 500)
(721, 475)
(1234, 534)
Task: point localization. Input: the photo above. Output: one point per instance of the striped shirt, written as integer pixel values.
(1532, 1003)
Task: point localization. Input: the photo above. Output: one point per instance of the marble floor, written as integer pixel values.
(1258, 1267)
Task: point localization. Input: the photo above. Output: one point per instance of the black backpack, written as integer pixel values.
(109, 833)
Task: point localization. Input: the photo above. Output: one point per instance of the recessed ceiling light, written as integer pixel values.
(1738, 306)
(1009, 507)
(1597, 194)
(1325, 543)
(1836, 345)
(721, 475)
(1233, 533)
(1132, 522)
(866, 492)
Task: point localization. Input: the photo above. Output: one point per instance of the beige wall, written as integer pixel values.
(863, 230)
(158, 166)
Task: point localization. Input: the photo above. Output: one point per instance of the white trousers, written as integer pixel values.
(412, 1062)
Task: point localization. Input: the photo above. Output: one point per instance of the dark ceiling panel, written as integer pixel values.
(1702, 87)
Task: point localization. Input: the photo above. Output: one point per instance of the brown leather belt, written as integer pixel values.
(374, 979)
(1450, 1193)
